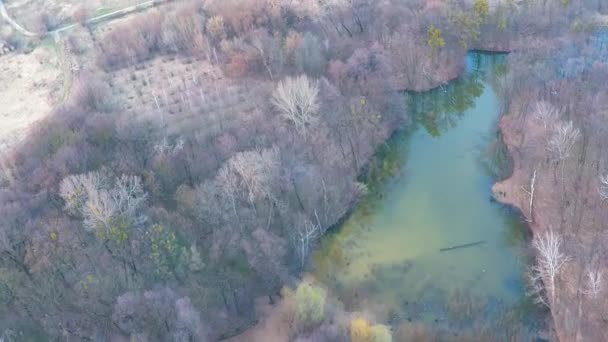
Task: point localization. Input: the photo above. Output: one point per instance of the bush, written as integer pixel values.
(360, 330)
(381, 333)
(310, 306)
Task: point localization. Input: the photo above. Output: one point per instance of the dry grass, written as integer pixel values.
(28, 84)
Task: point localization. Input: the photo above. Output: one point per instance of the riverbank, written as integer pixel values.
(563, 196)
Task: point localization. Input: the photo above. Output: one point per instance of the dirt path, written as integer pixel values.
(117, 13)
(13, 23)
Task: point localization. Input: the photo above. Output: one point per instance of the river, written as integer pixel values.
(430, 189)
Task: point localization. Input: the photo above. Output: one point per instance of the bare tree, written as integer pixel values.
(546, 113)
(306, 233)
(549, 262)
(296, 98)
(129, 197)
(92, 196)
(594, 283)
(257, 171)
(560, 145)
(75, 190)
(228, 182)
(531, 193)
(603, 187)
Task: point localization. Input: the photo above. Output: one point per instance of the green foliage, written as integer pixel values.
(117, 231)
(58, 138)
(164, 249)
(310, 305)
(380, 333)
(434, 37)
(502, 23)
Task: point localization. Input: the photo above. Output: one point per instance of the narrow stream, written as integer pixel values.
(430, 190)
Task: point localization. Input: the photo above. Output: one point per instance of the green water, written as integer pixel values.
(430, 189)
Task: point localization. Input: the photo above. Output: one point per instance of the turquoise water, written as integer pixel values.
(429, 190)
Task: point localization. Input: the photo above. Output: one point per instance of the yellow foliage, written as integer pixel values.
(481, 8)
(54, 236)
(434, 37)
(360, 330)
(215, 27)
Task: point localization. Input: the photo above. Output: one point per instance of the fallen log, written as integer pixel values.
(466, 245)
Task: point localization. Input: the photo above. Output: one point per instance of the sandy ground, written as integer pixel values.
(27, 84)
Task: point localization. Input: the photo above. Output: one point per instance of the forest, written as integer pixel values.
(205, 148)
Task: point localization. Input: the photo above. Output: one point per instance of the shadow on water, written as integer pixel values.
(429, 189)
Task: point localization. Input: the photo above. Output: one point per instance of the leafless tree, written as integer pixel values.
(296, 98)
(92, 196)
(228, 182)
(75, 190)
(560, 145)
(593, 285)
(306, 233)
(549, 263)
(603, 187)
(545, 113)
(129, 197)
(257, 171)
(531, 194)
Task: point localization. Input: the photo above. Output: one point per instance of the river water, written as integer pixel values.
(429, 189)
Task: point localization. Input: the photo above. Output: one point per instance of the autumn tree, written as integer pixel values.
(216, 27)
(360, 330)
(481, 8)
(434, 38)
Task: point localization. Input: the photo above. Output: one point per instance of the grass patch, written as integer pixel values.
(102, 11)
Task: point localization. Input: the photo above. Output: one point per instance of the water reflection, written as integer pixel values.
(430, 189)
(440, 109)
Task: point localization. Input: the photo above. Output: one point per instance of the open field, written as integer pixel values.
(28, 84)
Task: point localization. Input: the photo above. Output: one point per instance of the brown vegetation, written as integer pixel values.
(197, 163)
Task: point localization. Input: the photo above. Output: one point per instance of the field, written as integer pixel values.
(177, 91)
(29, 84)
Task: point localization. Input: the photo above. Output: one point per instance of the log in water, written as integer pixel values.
(451, 248)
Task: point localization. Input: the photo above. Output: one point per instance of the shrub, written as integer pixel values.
(360, 330)
(310, 306)
(380, 333)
